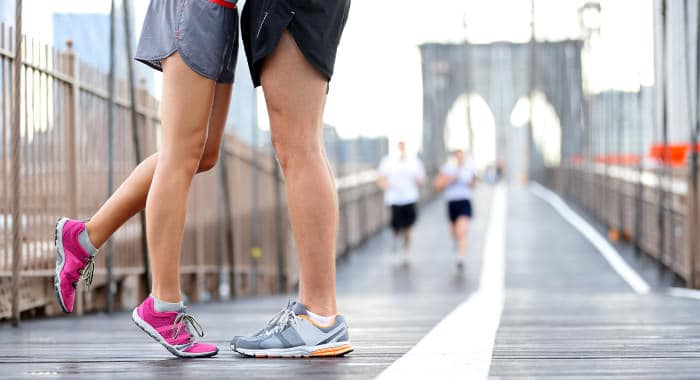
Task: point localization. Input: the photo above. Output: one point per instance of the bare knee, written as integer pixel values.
(185, 160)
(298, 149)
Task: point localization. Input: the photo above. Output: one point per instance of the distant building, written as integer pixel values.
(90, 35)
(7, 11)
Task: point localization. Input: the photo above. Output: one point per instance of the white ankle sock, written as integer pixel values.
(320, 319)
(84, 241)
(162, 306)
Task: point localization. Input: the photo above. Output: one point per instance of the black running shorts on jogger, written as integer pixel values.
(403, 216)
(203, 32)
(459, 207)
(315, 25)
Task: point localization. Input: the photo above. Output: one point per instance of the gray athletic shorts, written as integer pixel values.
(203, 32)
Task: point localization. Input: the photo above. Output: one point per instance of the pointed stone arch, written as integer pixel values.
(499, 73)
(470, 125)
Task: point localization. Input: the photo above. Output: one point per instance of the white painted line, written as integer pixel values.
(461, 345)
(609, 252)
(684, 292)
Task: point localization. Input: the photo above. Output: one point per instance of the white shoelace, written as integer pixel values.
(279, 321)
(190, 324)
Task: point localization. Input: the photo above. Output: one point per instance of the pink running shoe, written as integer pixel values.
(173, 330)
(72, 262)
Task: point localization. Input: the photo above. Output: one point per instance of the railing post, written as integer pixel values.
(280, 235)
(15, 166)
(255, 251)
(199, 274)
(110, 153)
(71, 149)
(126, 5)
(365, 215)
(693, 200)
(228, 216)
(357, 190)
(343, 222)
(222, 278)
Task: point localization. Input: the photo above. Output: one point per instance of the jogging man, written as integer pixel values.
(458, 178)
(400, 177)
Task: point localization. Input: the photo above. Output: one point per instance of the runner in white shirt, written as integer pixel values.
(458, 178)
(400, 178)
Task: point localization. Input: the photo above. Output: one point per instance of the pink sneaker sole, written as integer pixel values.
(60, 261)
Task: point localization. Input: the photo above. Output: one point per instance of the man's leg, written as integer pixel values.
(406, 240)
(295, 94)
(395, 239)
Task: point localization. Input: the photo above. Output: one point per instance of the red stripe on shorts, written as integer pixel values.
(224, 3)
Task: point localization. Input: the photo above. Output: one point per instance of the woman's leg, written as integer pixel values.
(461, 228)
(295, 94)
(130, 197)
(186, 106)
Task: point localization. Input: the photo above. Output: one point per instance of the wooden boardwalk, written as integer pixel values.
(389, 307)
(566, 314)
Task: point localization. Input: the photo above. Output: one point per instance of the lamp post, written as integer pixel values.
(531, 92)
(467, 83)
(589, 16)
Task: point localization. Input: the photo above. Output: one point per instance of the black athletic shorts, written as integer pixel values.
(462, 207)
(403, 216)
(316, 26)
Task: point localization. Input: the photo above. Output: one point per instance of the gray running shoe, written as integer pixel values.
(292, 334)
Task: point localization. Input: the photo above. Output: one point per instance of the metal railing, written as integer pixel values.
(651, 208)
(636, 165)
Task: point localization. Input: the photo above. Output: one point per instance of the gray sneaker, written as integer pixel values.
(292, 334)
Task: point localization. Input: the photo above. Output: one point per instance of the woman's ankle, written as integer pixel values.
(161, 305)
(93, 234)
(166, 295)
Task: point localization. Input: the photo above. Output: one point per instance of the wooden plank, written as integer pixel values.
(568, 314)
